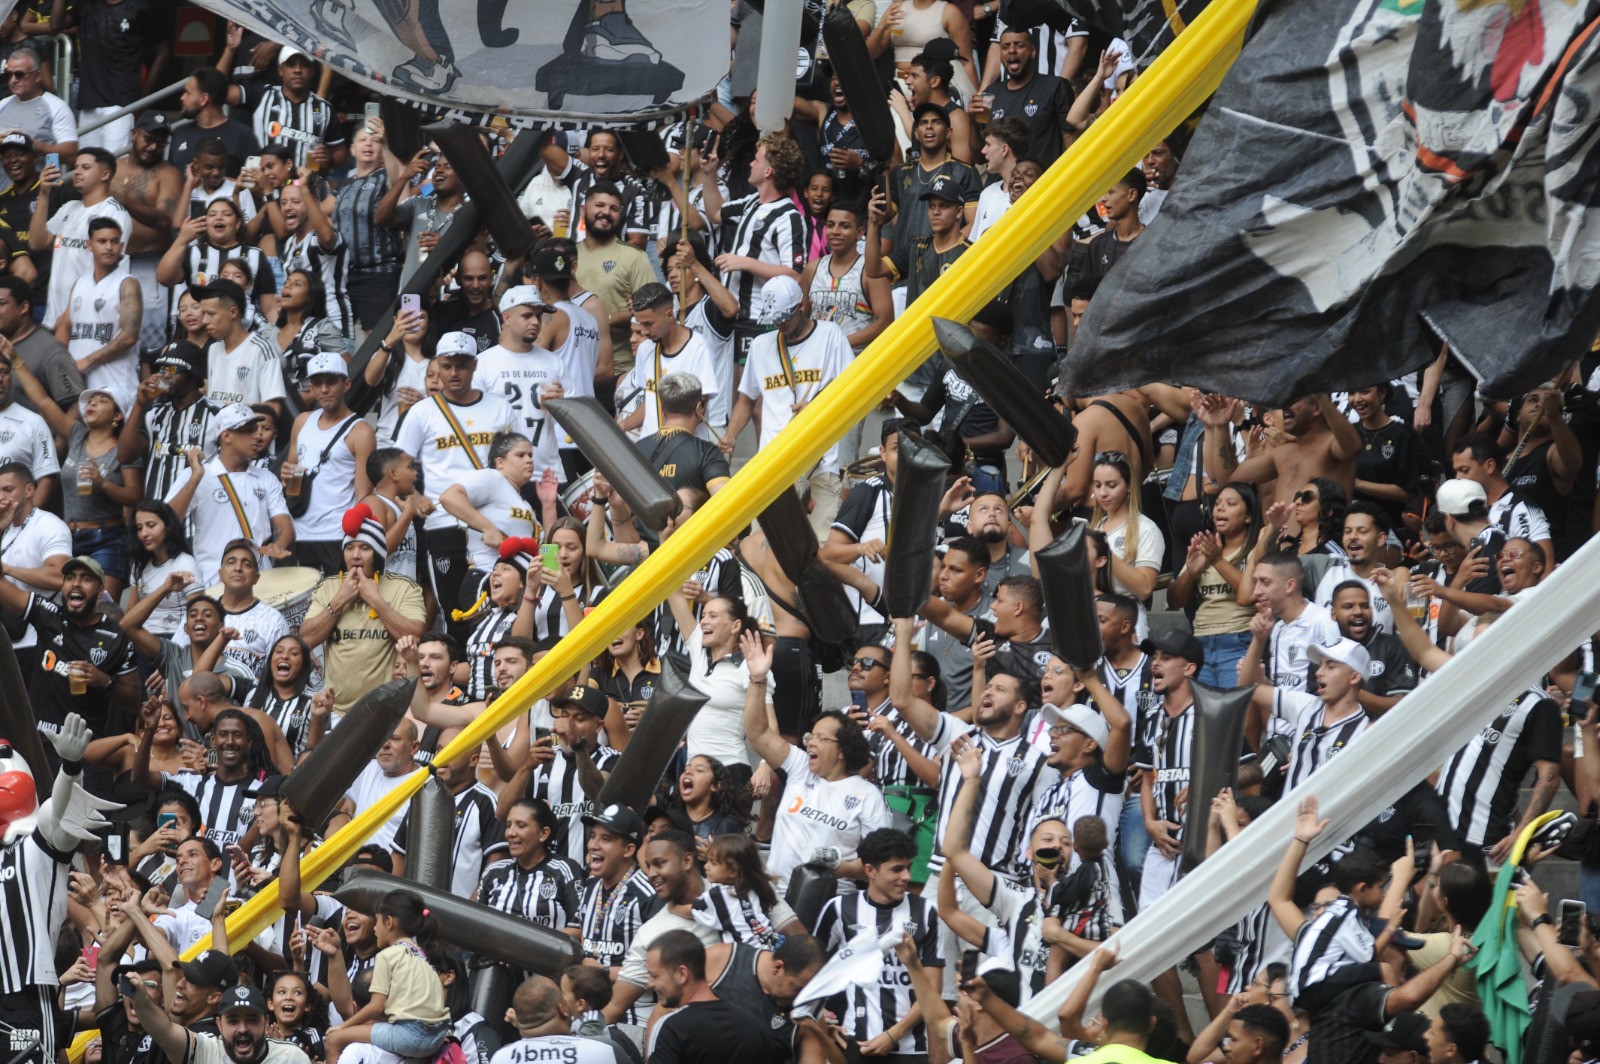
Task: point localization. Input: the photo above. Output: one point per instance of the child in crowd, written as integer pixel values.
(406, 1013)
(739, 898)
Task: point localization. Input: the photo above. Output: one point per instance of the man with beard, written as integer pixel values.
(241, 1036)
(607, 165)
(545, 1030)
(362, 613)
(151, 189)
(205, 95)
(1042, 100)
(1391, 674)
(170, 417)
(223, 794)
(423, 217)
(670, 347)
(989, 521)
(613, 270)
(472, 311)
(88, 665)
(476, 829)
(617, 896)
(702, 1029)
(669, 864)
(1322, 443)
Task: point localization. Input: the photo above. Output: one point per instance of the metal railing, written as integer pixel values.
(62, 52)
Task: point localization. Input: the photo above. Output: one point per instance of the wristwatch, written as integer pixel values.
(1539, 921)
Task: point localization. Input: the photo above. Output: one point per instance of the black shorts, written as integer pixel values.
(448, 570)
(30, 1020)
(1341, 1016)
(326, 556)
(797, 690)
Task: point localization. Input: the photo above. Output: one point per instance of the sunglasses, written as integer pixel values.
(1110, 458)
(867, 664)
(1305, 496)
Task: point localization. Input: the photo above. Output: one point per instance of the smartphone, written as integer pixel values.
(969, 965)
(858, 704)
(52, 159)
(374, 113)
(410, 303)
(166, 820)
(1583, 687)
(125, 985)
(540, 733)
(1570, 924)
(253, 162)
(116, 842)
(549, 556)
(92, 955)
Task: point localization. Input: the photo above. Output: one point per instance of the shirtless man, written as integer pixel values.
(1103, 424)
(149, 187)
(1322, 443)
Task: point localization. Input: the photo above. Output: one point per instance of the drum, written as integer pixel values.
(578, 496)
(287, 589)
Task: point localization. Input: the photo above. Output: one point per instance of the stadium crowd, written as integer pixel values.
(220, 530)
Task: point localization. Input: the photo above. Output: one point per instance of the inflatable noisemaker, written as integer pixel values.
(469, 926)
(775, 63)
(858, 80)
(315, 786)
(644, 150)
(431, 835)
(493, 986)
(1011, 395)
(662, 727)
(919, 487)
(497, 203)
(18, 726)
(787, 526)
(608, 447)
(811, 887)
(1067, 580)
(1214, 759)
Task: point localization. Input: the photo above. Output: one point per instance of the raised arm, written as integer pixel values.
(1120, 743)
(1280, 896)
(917, 712)
(758, 729)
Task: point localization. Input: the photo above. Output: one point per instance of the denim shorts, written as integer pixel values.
(108, 546)
(410, 1038)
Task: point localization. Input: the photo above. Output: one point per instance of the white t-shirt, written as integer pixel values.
(426, 434)
(816, 812)
(1287, 661)
(816, 361)
(1148, 548)
(370, 788)
(212, 521)
(553, 1048)
(71, 258)
(717, 730)
(412, 375)
(492, 495)
(519, 376)
(650, 365)
(250, 373)
(993, 201)
(27, 545)
(25, 438)
(168, 617)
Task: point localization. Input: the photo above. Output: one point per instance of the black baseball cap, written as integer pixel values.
(185, 356)
(929, 108)
(583, 698)
(619, 820)
(154, 122)
(16, 139)
(551, 262)
(243, 996)
(945, 188)
(222, 289)
(374, 855)
(1176, 640)
(213, 969)
(1407, 1031)
(270, 787)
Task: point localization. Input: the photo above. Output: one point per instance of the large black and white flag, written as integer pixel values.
(601, 59)
(1372, 178)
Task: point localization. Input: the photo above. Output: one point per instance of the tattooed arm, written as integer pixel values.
(130, 314)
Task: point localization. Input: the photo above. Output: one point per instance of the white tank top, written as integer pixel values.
(579, 354)
(333, 490)
(94, 324)
(841, 300)
(402, 561)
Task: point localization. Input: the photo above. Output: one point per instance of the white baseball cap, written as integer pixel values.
(778, 299)
(522, 295)
(1082, 718)
(1460, 497)
(1346, 652)
(327, 363)
(457, 345)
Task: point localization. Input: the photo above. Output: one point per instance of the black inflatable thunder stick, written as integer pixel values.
(497, 204)
(1218, 739)
(858, 80)
(1067, 580)
(602, 442)
(919, 487)
(469, 926)
(1010, 394)
(315, 786)
(661, 728)
(787, 526)
(431, 835)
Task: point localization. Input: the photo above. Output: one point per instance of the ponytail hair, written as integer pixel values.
(415, 922)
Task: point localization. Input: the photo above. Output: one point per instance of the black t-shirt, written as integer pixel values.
(238, 138)
(1103, 252)
(1025, 660)
(683, 459)
(1043, 103)
(1389, 455)
(920, 264)
(1419, 813)
(713, 1032)
(452, 315)
(1392, 671)
(967, 413)
(113, 38)
(120, 1044)
(102, 644)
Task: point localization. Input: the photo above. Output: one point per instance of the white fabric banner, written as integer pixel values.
(566, 59)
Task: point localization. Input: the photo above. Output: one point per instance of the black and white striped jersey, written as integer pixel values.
(477, 831)
(303, 251)
(546, 894)
(1334, 940)
(493, 626)
(1014, 775)
(297, 126)
(1480, 783)
(292, 715)
(171, 433)
(1019, 937)
(1315, 740)
(1172, 748)
(557, 783)
(202, 262)
(1091, 791)
(225, 811)
(1260, 941)
(33, 903)
(1133, 687)
(611, 916)
(870, 1010)
(893, 770)
(739, 917)
(772, 232)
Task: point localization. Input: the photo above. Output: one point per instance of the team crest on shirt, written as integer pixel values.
(1014, 767)
(99, 305)
(244, 373)
(6, 435)
(1387, 815)
(777, 1022)
(609, 265)
(851, 802)
(442, 563)
(547, 889)
(1030, 109)
(1387, 449)
(97, 655)
(221, 495)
